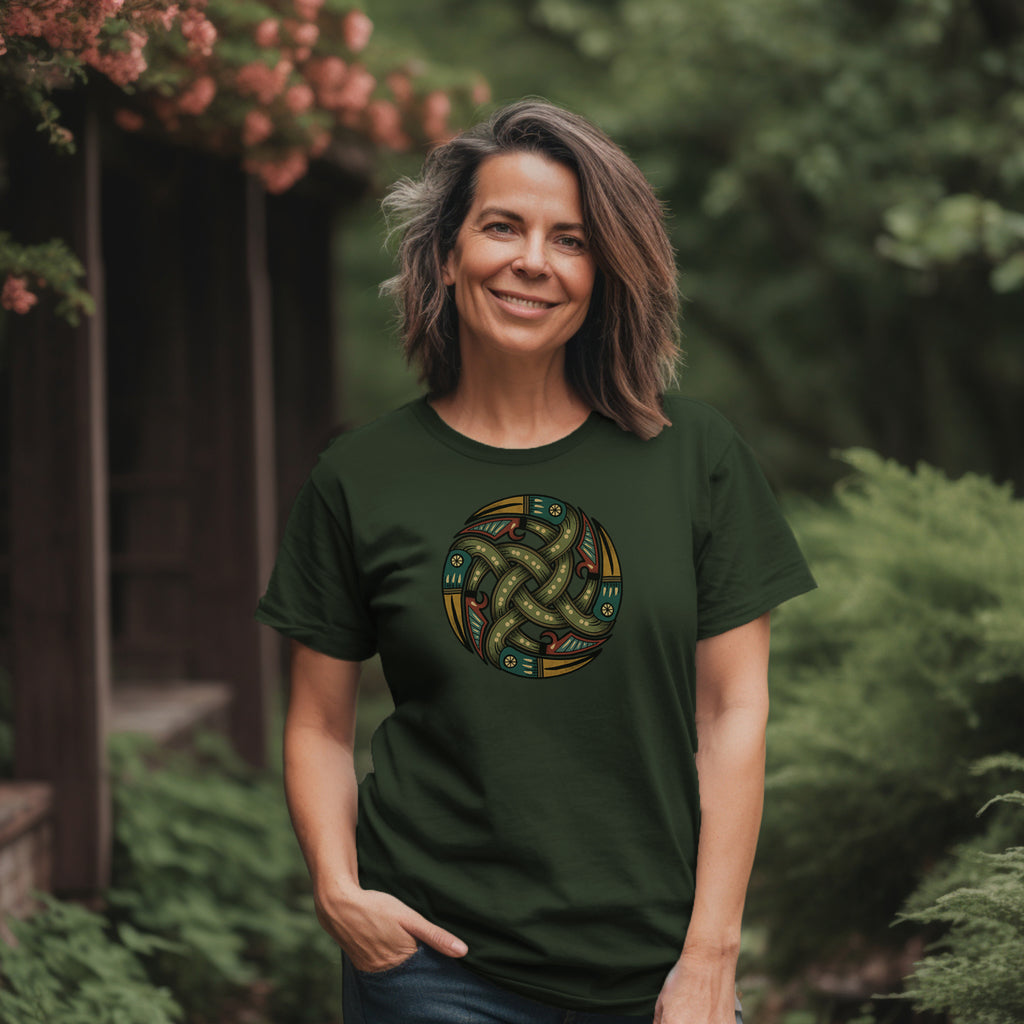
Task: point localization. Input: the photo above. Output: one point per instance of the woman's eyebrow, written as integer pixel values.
(497, 211)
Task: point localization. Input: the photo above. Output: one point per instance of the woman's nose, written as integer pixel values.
(532, 259)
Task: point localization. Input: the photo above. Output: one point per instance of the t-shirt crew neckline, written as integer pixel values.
(464, 445)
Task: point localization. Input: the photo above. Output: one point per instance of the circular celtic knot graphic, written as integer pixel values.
(532, 586)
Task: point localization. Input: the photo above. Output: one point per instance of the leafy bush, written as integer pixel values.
(67, 968)
(978, 978)
(205, 858)
(903, 670)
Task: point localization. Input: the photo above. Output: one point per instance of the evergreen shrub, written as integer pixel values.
(68, 968)
(889, 682)
(205, 858)
(976, 973)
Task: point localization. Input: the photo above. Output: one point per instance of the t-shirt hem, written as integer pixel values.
(333, 647)
(562, 1001)
(784, 591)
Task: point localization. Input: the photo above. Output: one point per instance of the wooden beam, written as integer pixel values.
(254, 696)
(59, 560)
(233, 490)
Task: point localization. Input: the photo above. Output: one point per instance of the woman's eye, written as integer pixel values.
(499, 228)
(572, 242)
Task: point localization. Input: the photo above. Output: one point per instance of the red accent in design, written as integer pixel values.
(475, 617)
(587, 564)
(513, 527)
(556, 643)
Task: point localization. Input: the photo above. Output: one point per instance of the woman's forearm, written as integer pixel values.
(730, 766)
(732, 714)
(319, 767)
(320, 785)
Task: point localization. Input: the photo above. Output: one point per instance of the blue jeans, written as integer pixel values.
(431, 988)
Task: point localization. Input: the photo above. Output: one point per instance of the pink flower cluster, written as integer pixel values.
(308, 9)
(16, 296)
(279, 175)
(437, 108)
(128, 120)
(256, 128)
(198, 31)
(119, 66)
(356, 28)
(74, 27)
(339, 86)
(266, 33)
(385, 122)
(198, 96)
(165, 17)
(64, 24)
(264, 82)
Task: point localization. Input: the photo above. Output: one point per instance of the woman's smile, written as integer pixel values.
(521, 302)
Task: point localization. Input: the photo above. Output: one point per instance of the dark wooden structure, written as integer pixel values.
(150, 452)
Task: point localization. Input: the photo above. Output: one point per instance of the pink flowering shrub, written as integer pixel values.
(26, 270)
(271, 82)
(16, 296)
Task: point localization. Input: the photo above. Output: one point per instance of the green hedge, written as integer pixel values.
(206, 859)
(209, 916)
(976, 971)
(67, 967)
(889, 683)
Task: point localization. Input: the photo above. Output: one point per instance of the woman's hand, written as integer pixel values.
(377, 931)
(700, 989)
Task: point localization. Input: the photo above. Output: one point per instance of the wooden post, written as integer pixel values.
(250, 714)
(301, 271)
(59, 563)
(232, 413)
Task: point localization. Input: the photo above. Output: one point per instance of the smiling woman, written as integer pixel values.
(623, 354)
(568, 576)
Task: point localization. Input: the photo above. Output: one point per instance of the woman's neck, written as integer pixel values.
(506, 412)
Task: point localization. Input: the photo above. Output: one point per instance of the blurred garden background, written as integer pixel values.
(190, 255)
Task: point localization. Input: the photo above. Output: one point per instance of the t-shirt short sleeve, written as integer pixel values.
(314, 594)
(748, 561)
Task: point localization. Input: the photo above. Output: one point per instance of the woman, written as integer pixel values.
(568, 578)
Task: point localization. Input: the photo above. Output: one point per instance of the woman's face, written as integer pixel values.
(521, 266)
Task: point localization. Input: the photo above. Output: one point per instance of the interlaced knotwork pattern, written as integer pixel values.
(532, 586)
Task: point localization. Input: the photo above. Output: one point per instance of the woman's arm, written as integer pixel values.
(374, 928)
(732, 713)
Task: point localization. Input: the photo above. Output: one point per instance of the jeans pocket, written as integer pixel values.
(394, 968)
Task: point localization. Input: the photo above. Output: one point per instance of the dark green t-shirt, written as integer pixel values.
(536, 612)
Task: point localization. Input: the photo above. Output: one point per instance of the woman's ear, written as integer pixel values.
(447, 275)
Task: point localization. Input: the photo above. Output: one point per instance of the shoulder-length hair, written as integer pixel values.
(623, 357)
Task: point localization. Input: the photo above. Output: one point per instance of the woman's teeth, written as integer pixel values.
(525, 303)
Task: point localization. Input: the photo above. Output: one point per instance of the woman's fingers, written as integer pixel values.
(378, 931)
(435, 937)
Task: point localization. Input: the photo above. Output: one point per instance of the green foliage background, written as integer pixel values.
(846, 183)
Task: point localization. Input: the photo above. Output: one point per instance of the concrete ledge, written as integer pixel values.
(170, 712)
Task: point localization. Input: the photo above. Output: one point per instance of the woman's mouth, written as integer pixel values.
(521, 302)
